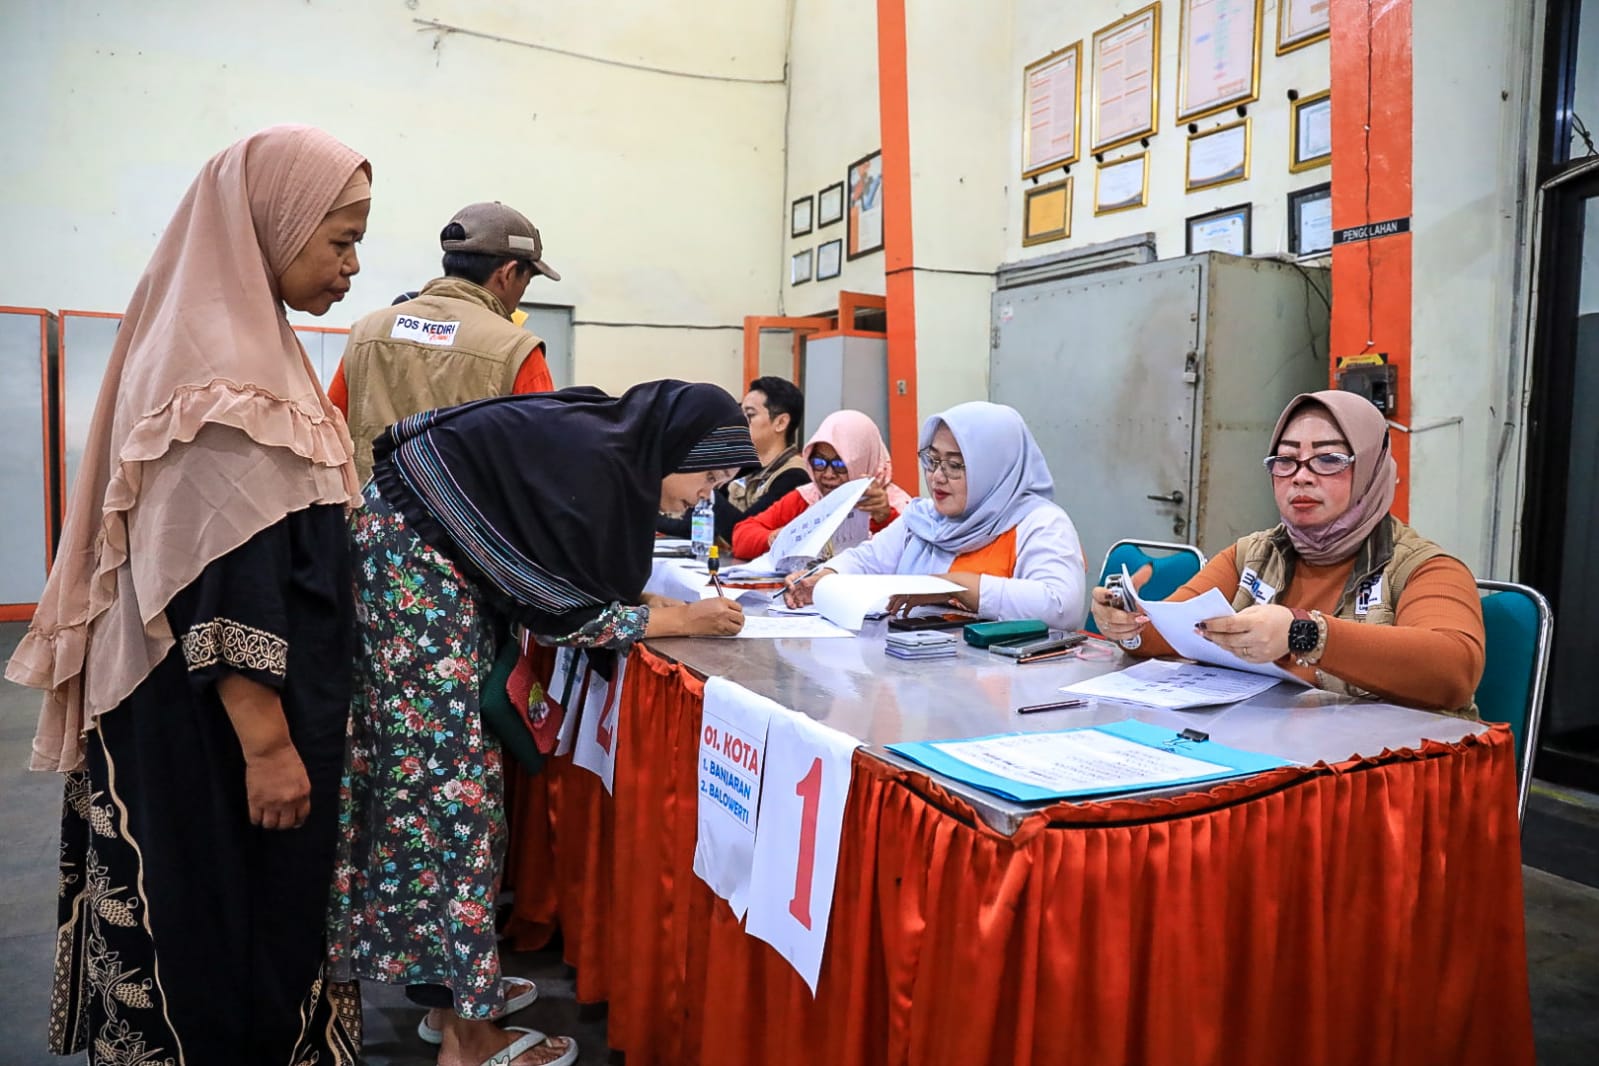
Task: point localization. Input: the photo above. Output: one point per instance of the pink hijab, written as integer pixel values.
(856, 439)
(1375, 475)
(210, 427)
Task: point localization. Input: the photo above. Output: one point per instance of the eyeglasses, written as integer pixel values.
(1326, 464)
(819, 464)
(954, 469)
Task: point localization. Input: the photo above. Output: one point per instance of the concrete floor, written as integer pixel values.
(1562, 925)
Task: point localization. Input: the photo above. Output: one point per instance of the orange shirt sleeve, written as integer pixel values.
(534, 375)
(339, 391)
(753, 535)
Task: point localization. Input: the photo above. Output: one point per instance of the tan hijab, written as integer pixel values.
(210, 427)
(1375, 476)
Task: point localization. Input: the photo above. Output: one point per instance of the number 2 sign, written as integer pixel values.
(803, 793)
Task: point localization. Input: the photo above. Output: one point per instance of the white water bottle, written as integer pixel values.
(702, 528)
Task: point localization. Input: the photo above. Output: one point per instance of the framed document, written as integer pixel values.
(1218, 56)
(829, 258)
(1047, 213)
(1126, 79)
(799, 267)
(1050, 88)
(799, 217)
(1122, 185)
(1219, 156)
(1310, 230)
(1312, 136)
(1226, 230)
(830, 205)
(1302, 22)
(865, 181)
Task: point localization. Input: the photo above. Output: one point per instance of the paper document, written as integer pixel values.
(708, 592)
(1174, 686)
(770, 627)
(846, 599)
(1176, 621)
(1114, 757)
(757, 569)
(804, 538)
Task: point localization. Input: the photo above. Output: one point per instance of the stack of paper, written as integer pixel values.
(1174, 686)
(922, 644)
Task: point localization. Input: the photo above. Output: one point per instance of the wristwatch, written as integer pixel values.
(1307, 636)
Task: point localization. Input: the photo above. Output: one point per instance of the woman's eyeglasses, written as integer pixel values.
(954, 469)
(1326, 465)
(819, 464)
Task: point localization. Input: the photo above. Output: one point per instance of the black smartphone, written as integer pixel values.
(930, 622)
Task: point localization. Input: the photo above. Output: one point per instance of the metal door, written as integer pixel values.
(553, 324)
(1102, 369)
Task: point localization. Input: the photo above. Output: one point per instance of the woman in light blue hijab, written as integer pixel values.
(988, 524)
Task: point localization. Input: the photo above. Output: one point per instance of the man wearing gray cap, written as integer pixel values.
(456, 340)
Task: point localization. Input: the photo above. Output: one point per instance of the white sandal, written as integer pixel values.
(521, 1001)
(530, 1039)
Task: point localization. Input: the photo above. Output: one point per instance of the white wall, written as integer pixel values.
(832, 121)
(1472, 122)
(655, 193)
(1043, 26)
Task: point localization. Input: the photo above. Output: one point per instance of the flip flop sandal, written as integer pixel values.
(513, 1003)
(553, 1054)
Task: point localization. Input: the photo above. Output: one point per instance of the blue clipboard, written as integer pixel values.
(1228, 762)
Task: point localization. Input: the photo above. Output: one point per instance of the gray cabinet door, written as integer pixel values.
(22, 459)
(1101, 367)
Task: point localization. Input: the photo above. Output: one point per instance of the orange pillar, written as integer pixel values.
(893, 96)
(1371, 163)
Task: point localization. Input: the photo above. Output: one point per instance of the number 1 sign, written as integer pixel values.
(803, 792)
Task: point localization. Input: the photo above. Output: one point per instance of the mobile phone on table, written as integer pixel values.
(929, 622)
(1018, 649)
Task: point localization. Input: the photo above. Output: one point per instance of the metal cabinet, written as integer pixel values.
(1153, 389)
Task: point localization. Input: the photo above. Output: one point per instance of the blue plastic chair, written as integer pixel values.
(1175, 564)
(1520, 631)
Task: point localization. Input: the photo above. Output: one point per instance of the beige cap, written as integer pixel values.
(494, 229)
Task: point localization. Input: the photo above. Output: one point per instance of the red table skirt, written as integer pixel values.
(1369, 912)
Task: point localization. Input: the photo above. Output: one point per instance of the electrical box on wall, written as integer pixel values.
(1373, 377)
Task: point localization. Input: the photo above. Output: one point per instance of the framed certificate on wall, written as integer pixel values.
(1047, 213)
(1302, 22)
(1226, 230)
(1122, 185)
(1218, 56)
(799, 267)
(1312, 132)
(1050, 90)
(1126, 79)
(1219, 156)
(864, 234)
(1310, 230)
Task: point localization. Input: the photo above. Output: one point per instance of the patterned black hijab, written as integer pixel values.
(550, 500)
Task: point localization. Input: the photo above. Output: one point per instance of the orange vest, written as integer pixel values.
(997, 558)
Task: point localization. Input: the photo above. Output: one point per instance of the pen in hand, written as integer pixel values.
(789, 584)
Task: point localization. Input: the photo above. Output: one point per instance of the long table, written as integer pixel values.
(1363, 906)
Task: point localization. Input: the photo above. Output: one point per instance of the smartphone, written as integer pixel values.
(1038, 646)
(930, 622)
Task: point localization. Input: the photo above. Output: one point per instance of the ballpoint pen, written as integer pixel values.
(1058, 705)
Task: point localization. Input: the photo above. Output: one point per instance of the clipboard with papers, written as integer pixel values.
(1126, 756)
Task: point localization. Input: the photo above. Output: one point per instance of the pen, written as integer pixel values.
(788, 585)
(712, 564)
(1058, 705)
(1022, 660)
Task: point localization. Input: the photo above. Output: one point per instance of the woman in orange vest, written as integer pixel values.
(991, 525)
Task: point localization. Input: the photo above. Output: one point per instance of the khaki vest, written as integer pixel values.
(743, 492)
(1382, 567)
(453, 344)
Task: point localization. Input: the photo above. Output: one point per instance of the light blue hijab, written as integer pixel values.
(1006, 480)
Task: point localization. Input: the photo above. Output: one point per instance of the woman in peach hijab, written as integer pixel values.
(194, 638)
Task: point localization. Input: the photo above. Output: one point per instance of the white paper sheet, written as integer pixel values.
(1176, 621)
(1078, 759)
(771, 627)
(731, 757)
(804, 538)
(846, 599)
(804, 789)
(1173, 686)
(759, 568)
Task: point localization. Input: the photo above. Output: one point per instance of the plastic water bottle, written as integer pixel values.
(702, 528)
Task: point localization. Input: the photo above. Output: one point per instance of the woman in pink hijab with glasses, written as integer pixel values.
(1342, 593)
(846, 446)
(194, 640)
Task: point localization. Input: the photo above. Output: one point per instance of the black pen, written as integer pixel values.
(1058, 705)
